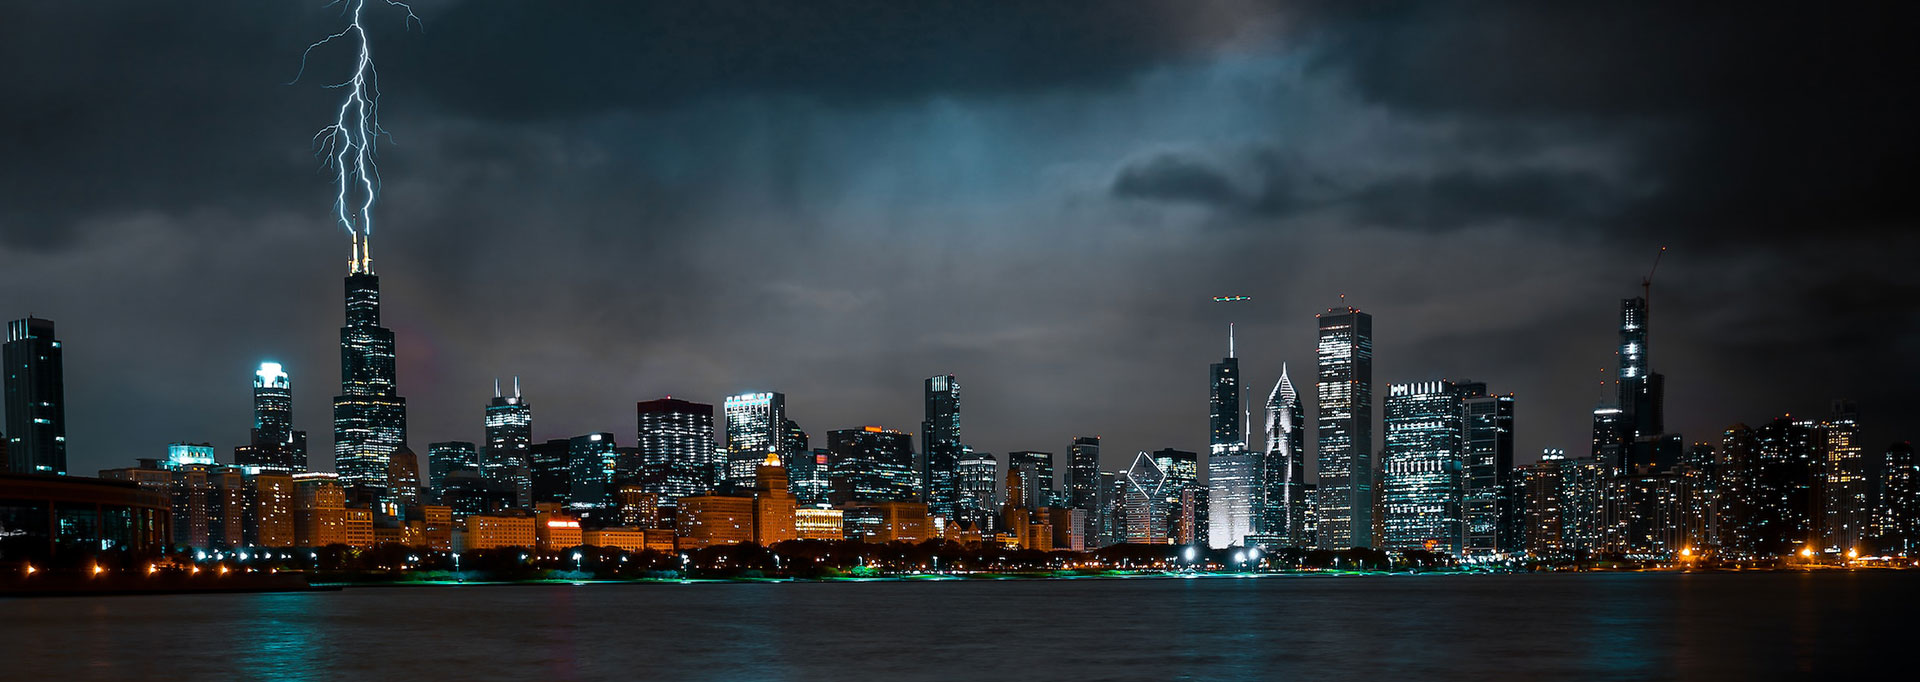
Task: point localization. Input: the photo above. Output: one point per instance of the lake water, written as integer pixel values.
(1377, 628)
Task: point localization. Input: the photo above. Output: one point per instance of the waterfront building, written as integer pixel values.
(1144, 508)
(124, 516)
(508, 457)
(881, 522)
(403, 477)
(36, 399)
(1546, 519)
(676, 444)
(1083, 483)
(271, 513)
(1345, 432)
(273, 444)
(369, 416)
(710, 520)
(818, 523)
(319, 510)
(1783, 512)
(810, 480)
(754, 429)
(870, 464)
(1225, 432)
(554, 531)
(1233, 496)
(940, 444)
(497, 531)
(634, 506)
(1422, 488)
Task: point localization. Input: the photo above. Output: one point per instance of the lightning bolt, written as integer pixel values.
(347, 147)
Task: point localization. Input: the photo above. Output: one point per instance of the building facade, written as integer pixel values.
(1345, 429)
(36, 398)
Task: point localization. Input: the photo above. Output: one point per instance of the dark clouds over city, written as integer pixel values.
(618, 201)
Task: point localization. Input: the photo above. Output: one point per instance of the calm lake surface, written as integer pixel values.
(1568, 626)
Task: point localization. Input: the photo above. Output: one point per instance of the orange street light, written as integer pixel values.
(98, 569)
(31, 569)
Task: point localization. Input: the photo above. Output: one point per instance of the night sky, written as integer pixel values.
(619, 201)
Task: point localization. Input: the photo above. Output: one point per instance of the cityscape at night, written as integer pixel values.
(1582, 332)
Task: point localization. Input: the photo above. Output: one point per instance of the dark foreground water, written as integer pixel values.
(1582, 627)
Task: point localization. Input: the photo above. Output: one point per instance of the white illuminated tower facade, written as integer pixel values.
(1344, 516)
(1284, 508)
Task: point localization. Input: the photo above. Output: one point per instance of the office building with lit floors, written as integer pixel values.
(1897, 521)
(273, 443)
(36, 400)
(507, 454)
(676, 447)
(887, 521)
(870, 464)
(940, 447)
(819, 523)
(1490, 508)
(1283, 472)
(1345, 429)
(1422, 486)
(369, 416)
(755, 425)
(709, 520)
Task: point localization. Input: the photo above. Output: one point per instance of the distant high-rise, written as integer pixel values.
(273, 443)
(754, 423)
(1223, 404)
(1233, 497)
(1491, 508)
(1083, 483)
(1345, 512)
(1610, 437)
(940, 443)
(1898, 525)
(1422, 489)
(369, 416)
(1847, 486)
(974, 487)
(794, 444)
(1039, 488)
(551, 470)
(508, 458)
(446, 457)
(590, 469)
(1283, 509)
(676, 445)
(870, 464)
(1785, 508)
(36, 399)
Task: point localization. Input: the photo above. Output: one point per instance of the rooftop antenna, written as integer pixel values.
(496, 387)
(516, 387)
(1231, 299)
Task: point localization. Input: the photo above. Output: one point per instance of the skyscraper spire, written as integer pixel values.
(516, 386)
(1230, 340)
(496, 387)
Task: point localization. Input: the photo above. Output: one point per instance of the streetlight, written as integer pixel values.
(577, 562)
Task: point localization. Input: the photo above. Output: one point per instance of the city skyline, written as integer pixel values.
(472, 302)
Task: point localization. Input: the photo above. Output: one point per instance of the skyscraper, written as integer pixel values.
(1422, 486)
(36, 399)
(754, 423)
(1233, 497)
(590, 466)
(1223, 404)
(974, 487)
(1898, 524)
(1038, 476)
(1847, 484)
(870, 464)
(1493, 524)
(676, 444)
(369, 416)
(1283, 509)
(1083, 483)
(445, 458)
(940, 443)
(1784, 519)
(508, 458)
(273, 443)
(1345, 514)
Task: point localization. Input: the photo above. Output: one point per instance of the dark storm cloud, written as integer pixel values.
(622, 200)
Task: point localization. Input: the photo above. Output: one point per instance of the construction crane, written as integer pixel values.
(1646, 284)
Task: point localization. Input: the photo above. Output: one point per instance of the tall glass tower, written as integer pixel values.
(273, 443)
(1344, 517)
(369, 417)
(36, 399)
(1284, 510)
(675, 443)
(1223, 404)
(755, 424)
(1423, 485)
(508, 457)
(1491, 509)
(940, 443)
